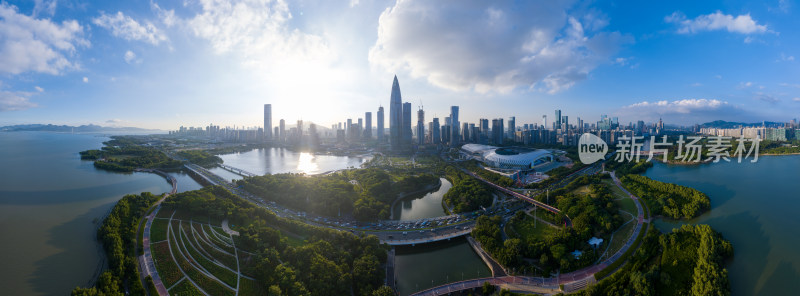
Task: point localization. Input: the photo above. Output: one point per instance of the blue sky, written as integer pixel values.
(163, 64)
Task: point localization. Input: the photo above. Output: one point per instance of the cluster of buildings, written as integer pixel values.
(404, 134)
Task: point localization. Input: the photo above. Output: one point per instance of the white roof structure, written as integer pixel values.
(488, 154)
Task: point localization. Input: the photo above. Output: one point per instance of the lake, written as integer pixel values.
(755, 207)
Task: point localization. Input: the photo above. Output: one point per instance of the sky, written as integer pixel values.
(165, 64)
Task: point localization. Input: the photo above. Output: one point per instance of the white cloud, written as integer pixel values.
(696, 84)
(38, 88)
(48, 7)
(786, 58)
(353, 3)
(503, 48)
(765, 97)
(85, 79)
(130, 57)
(129, 29)
(743, 24)
(166, 16)
(15, 101)
(28, 44)
(258, 31)
(796, 99)
(685, 111)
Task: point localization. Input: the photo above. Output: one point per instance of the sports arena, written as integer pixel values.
(508, 157)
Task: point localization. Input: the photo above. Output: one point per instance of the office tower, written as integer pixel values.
(380, 124)
(484, 125)
(282, 126)
(497, 131)
(544, 121)
(557, 123)
(565, 122)
(465, 132)
(420, 127)
(360, 126)
(473, 133)
(447, 120)
(368, 126)
(435, 138)
(348, 128)
(267, 122)
(276, 132)
(406, 133)
(512, 127)
(395, 116)
(580, 124)
(445, 134)
(454, 126)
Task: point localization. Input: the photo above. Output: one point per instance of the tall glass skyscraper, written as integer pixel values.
(396, 116)
(380, 124)
(267, 122)
(454, 126)
(406, 133)
(368, 126)
(420, 127)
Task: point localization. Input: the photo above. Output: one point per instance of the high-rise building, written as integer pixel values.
(565, 122)
(557, 123)
(454, 126)
(282, 126)
(267, 122)
(380, 124)
(465, 132)
(368, 126)
(512, 127)
(497, 131)
(406, 131)
(396, 116)
(435, 138)
(544, 121)
(420, 127)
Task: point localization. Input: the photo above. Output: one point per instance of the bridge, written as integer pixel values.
(237, 171)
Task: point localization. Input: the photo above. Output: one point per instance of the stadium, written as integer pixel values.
(508, 157)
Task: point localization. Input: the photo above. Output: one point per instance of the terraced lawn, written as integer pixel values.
(194, 258)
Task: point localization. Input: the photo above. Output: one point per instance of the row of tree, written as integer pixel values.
(671, 200)
(329, 262)
(118, 234)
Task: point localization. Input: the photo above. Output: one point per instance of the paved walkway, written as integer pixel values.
(228, 229)
(146, 264)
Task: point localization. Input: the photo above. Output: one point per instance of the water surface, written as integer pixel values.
(435, 264)
(756, 207)
(424, 205)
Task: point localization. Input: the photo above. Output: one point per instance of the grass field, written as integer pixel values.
(528, 229)
(620, 238)
(158, 231)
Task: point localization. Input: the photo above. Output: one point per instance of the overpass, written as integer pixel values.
(237, 171)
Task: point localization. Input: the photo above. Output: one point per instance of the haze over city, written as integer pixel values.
(157, 64)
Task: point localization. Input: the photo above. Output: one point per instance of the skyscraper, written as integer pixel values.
(282, 126)
(267, 122)
(406, 130)
(396, 116)
(420, 127)
(435, 138)
(454, 126)
(512, 127)
(544, 121)
(557, 124)
(497, 131)
(380, 124)
(368, 126)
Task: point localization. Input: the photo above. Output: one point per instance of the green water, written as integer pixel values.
(425, 266)
(425, 205)
(49, 199)
(755, 206)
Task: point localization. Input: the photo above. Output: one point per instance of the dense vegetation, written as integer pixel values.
(493, 177)
(200, 157)
(775, 147)
(593, 214)
(328, 262)
(125, 155)
(118, 233)
(628, 167)
(687, 261)
(667, 199)
(467, 194)
(333, 195)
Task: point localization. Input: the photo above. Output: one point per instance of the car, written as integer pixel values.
(405, 232)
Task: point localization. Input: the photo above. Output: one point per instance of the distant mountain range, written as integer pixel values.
(67, 128)
(729, 124)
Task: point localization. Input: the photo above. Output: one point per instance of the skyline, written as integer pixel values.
(159, 65)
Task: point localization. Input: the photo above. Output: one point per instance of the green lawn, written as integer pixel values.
(614, 188)
(249, 287)
(528, 229)
(166, 268)
(627, 205)
(158, 231)
(185, 288)
(620, 238)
